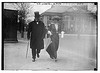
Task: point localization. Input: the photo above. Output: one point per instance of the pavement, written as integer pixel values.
(74, 54)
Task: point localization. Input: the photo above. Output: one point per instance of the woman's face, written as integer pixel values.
(55, 21)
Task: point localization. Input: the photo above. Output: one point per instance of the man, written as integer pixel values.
(36, 34)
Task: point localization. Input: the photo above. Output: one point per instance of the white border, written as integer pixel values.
(55, 1)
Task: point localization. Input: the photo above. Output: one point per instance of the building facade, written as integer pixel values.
(73, 22)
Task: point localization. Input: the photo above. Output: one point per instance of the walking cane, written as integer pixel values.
(27, 49)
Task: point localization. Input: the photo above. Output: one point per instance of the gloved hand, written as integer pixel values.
(49, 32)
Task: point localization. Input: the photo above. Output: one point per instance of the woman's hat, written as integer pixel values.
(56, 18)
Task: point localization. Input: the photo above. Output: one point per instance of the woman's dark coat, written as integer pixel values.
(53, 47)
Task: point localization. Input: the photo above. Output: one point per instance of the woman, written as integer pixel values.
(53, 46)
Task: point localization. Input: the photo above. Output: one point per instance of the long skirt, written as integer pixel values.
(53, 46)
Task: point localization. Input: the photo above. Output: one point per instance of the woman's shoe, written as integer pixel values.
(51, 57)
(55, 60)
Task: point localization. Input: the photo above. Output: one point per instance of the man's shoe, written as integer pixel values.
(33, 60)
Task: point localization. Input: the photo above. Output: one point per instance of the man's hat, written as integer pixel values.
(36, 14)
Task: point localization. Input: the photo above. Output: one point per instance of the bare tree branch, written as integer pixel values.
(24, 9)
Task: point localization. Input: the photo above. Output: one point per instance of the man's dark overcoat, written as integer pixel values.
(36, 32)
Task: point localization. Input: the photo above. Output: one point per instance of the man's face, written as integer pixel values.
(37, 18)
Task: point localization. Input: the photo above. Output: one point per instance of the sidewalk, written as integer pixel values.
(71, 56)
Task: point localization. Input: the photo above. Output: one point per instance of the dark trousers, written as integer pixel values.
(34, 52)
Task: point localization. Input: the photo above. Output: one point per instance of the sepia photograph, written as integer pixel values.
(49, 36)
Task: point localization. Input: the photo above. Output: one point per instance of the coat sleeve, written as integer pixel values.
(44, 30)
(29, 30)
